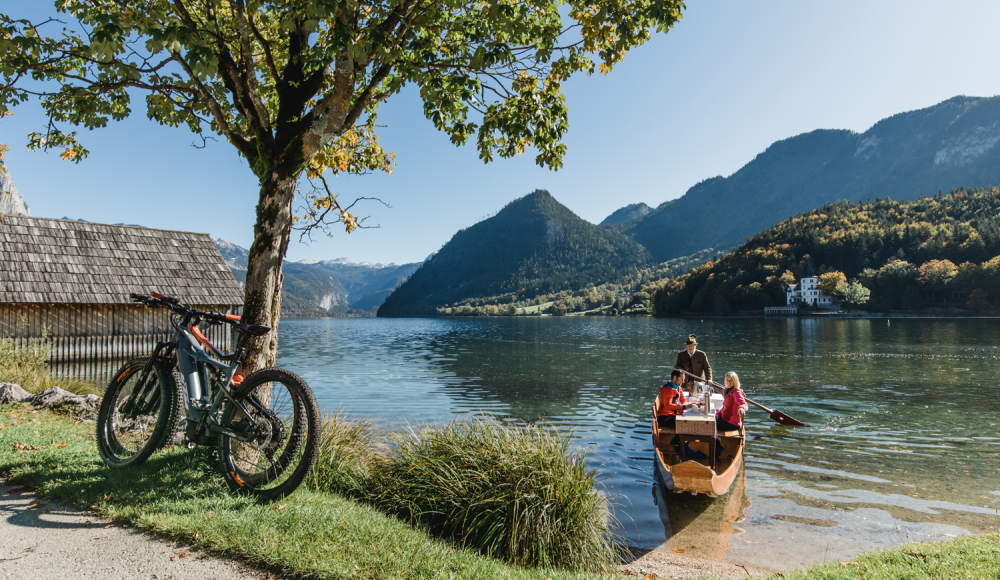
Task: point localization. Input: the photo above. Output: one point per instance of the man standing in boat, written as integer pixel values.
(694, 361)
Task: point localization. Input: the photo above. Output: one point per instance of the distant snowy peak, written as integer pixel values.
(235, 256)
(10, 202)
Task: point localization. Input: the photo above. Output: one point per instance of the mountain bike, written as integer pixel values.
(265, 425)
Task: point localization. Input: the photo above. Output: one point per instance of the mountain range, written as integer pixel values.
(527, 248)
(321, 288)
(906, 156)
(534, 245)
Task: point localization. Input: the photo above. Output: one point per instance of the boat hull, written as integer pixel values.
(691, 475)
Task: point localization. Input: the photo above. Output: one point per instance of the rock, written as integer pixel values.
(83, 407)
(11, 393)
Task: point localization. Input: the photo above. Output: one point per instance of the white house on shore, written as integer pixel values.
(807, 291)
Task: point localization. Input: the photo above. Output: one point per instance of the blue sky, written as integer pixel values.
(730, 79)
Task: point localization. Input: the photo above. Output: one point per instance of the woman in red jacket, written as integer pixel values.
(734, 406)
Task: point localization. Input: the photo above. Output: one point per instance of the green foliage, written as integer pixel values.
(854, 294)
(27, 364)
(517, 493)
(346, 449)
(877, 241)
(262, 74)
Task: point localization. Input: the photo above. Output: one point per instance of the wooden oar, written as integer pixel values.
(776, 415)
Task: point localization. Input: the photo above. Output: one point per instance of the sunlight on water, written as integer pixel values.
(902, 443)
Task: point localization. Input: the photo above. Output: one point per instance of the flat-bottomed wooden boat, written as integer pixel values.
(712, 474)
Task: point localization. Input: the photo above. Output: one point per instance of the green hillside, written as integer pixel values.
(906, 156)
(936, 250)
(533, 246)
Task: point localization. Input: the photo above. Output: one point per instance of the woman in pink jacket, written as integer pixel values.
(734, 406)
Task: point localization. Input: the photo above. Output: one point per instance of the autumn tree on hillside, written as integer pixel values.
(936, 275)
(830, 282)
(294, 85)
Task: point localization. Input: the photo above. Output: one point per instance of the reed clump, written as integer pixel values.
(347, 448)
(27, 365)
(517, 493)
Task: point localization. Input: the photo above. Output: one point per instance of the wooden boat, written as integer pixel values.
(712, 474)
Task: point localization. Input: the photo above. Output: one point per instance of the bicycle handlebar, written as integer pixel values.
(156, 300)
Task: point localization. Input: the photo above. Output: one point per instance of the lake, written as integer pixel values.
(902, 446)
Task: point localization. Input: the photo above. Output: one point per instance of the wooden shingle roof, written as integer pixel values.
(53, 261)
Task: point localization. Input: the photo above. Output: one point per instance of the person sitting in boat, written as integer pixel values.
(734, 406)
(672, 401)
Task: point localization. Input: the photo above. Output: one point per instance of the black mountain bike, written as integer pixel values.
(266, 425)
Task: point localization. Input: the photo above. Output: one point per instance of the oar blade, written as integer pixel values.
(779, 417)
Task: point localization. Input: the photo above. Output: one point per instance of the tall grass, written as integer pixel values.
(515, 493)
(28, 366)
(346, 449)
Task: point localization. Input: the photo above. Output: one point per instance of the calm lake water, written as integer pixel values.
(902, 446)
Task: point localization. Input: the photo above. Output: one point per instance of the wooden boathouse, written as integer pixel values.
(71, 280)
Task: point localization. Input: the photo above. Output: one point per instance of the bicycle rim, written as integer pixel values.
(134, 415)
(286, 427)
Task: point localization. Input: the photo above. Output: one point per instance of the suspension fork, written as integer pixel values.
(137, 403)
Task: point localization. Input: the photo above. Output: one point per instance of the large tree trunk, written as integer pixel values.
(262, 302)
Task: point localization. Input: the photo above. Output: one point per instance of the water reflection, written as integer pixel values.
(891, 417)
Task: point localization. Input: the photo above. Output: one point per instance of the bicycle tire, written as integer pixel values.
(130, 428)
(272, 466)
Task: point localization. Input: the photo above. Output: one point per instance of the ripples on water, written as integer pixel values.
(902, 446)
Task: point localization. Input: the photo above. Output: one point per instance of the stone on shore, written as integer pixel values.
(80, 406)
(11, 393)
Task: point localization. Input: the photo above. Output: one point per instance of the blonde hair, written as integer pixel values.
(736, 379)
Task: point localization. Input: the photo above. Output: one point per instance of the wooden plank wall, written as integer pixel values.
(90, 341)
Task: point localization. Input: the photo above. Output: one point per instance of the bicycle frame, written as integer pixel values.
(197, 368)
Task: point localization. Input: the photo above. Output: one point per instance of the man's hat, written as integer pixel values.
(692, 339)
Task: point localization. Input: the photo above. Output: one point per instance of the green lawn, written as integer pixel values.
(179, 493)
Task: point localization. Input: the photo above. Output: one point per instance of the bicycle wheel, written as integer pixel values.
(284, 435)
(135, 419)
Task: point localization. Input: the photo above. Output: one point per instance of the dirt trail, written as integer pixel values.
(42, 540)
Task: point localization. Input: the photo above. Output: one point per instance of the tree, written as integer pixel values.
(294, 86)
(911, 298)
(893, 280)
(937, 275)
(788, 278)
(829, 282)
(854, 294)
(978, 301)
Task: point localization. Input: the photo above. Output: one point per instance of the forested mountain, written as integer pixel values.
(322, 288)
(533, 246)
(908, 253)
(905, 156)
(628, 213)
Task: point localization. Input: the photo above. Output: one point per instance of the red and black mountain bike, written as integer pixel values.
(266, 425)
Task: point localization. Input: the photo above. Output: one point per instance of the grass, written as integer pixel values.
(28, 367)
(179, 494)
(968, 557)
(515, 493)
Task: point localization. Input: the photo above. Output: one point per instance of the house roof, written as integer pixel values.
(54, 261)
(809, 273)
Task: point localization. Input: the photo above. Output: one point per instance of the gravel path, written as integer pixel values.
(43, 540)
